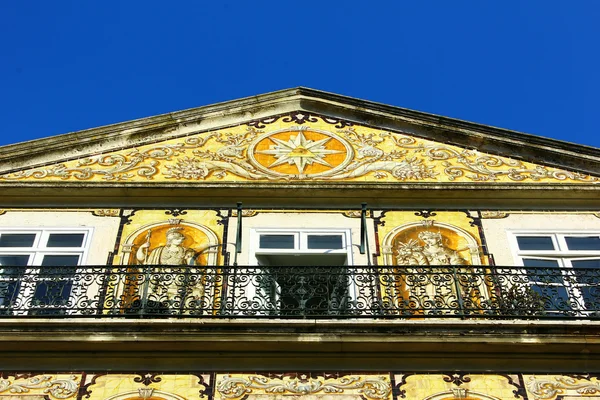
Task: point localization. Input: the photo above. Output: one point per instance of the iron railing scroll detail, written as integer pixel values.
(407, 292)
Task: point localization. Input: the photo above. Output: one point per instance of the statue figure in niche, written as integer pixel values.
(432, 290)
(172, 253)
(432, 252)
(169, 285)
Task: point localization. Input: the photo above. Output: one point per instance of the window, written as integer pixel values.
(37, 268)
(561, 268)
(300, 247)
(302, 270)
(300, 240)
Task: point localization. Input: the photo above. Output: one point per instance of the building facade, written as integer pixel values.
(299, 244)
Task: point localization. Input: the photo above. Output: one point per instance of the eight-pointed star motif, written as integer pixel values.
(299, 151)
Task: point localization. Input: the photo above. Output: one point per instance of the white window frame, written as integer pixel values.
(561, 253)
(300, 242)
(39, 250)
(36, 251)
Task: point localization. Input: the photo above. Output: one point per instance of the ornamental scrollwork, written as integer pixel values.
(370, 158)
(59, 388)
(229, 158)
(147, 379)
(457, 378)
(111, 167)
(245, 213)
(299, 118)
(549, 388)
(354, 214)
(425, 213)
(494, 214)
(480, 167)
(372, 388)
(176, 212)
(300, 152)
(110, 212)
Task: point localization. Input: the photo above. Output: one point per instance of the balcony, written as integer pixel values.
(344, 292)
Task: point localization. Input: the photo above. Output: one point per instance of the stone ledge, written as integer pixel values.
(254, 344)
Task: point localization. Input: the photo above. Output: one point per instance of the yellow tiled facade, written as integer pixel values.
(390, 386)
(299, 245)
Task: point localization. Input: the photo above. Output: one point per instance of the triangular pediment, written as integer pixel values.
(294, 146)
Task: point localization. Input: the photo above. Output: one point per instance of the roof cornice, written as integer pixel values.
(216, 116)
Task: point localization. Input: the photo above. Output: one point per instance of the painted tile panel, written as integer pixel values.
(298, 147)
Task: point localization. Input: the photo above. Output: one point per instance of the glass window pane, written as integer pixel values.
(591, 297)
(65, 240)
(9, 288)
(536, 262)
(554, 299)
(552, 294)
(59, 260)
(595, 263)
(535, 243)
(17, 239)
(583, 243)
(276, 241)
(586, 273)
(325, 242)
(536, 272)
(17, 260)
(52, 292)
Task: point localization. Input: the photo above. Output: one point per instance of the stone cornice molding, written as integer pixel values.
(302, 194)
(175, 344)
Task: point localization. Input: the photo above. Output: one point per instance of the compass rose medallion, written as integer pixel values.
(300, 153)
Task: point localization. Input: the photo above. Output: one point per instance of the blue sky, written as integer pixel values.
(530, 66)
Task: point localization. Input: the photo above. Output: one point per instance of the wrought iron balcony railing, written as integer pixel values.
(417, 292)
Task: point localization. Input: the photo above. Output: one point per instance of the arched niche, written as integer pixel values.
(454, 238)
